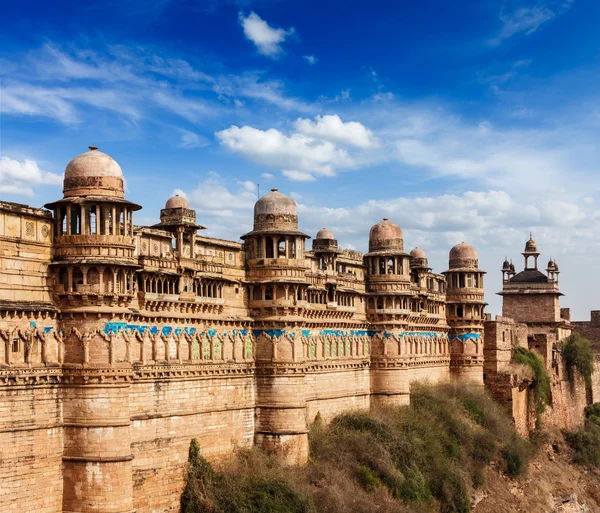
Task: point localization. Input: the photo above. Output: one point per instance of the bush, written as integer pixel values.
(423, 457)
(541, 380)
(586, 442)
(577, 353)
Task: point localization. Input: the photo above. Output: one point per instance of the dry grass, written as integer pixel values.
(424, 457)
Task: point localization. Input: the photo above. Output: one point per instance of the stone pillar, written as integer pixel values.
(97, 468)
(281, 408)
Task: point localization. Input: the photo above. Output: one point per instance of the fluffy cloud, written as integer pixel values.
(311, 59)
(274, 149)
(267, 39)
(332, 128)
(20, 177)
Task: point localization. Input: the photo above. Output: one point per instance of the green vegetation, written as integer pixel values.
(541, 380)
(577, 353)
(586, 441)
(423, 457)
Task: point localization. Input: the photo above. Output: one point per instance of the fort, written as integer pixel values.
(120, 343)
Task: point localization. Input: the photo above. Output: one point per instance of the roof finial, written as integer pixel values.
(93, 147)
(530, 235)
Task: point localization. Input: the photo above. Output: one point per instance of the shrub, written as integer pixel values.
(577, 353)
(422, 457)
(541, 380)
(586, 442)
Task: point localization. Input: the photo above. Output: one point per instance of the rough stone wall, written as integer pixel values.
(531, 307)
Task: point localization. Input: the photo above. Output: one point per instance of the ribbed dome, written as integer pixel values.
(177, 201)
(324, 233)
(417, 253)
(463, 255)
(93, 173)
(386, 235)
(275, 211)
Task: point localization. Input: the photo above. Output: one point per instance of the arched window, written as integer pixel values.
(390, 266)
(269, 248)
(269, 293)
(281, 248)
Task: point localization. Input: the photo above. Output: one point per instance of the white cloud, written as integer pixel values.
(189, 140)
(20, 177)
(267, 39)
(331, 127)
(526, 20)
(298, 176)
(274, 149)
(268, 176)
(311, 59)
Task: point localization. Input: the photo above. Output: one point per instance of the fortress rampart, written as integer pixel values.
(121, 343)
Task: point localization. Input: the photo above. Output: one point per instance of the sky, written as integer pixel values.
(472, 121)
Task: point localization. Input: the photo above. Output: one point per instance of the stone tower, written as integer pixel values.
(532, 297)
(465, 313)
(276, 268)
(93, 269)
(389, 303)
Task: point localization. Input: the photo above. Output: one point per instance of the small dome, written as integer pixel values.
(417, 253)
(463, 255)
(177, 201)
(506, 265)
(550, 264)
(512, 267)
(275, 211)
(93, 173)
(386, 235)
(530, 246)
(324, 233)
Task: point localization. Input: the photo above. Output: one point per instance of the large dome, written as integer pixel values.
(275, 211)
(385, 236)
(177, 201)
(463, 255)
(93, 173)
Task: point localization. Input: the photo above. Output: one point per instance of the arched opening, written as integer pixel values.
(382, 266)
(269, 293)
(459, 311)
(107, 278)
(93, 221)
(269, 247)
(75, 220)
(292, 248)
(281, 248)
(279, 293)
(390, 266)
(77, 278)
(93, 278)
(63, 220)
(461, 281)
(380, 304)
(63, 278)
(257, 294)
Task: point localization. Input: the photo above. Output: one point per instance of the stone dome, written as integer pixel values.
(324, 233)
(463, 255)
(177, 201)
(275, 211)
(417, 253)
(530, 246)
(385, 236)
(93, 173)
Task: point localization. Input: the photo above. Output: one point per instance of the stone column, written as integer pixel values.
(97, 455)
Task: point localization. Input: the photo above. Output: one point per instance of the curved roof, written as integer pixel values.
(177, 201)
(463, 255)
(529, 276)
(386, 235)
(417, 253)
(324, 233)
(93, 173)
(275, 211)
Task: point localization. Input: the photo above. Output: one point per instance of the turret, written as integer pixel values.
(465, 313)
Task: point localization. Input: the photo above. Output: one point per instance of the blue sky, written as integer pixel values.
(462, 120)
